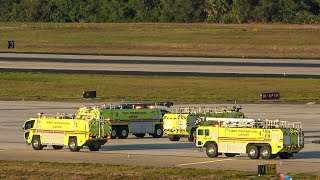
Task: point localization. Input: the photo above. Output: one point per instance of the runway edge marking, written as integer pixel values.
(203, 162)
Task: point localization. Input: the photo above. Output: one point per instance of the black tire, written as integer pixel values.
(192, 136)
(212, 150)
(56, 147)
(73, 145)
(174, 137)
(123, 133)
(254, 152)
(284, 155)
(230, 154)
(190, 139)
(139, 135)
(274, 156)
(265, 152)
(158, 132)
(114, 133)
(36, 143)
(94, 147)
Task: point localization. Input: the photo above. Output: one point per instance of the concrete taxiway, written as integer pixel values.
(174, 66)
(158, 152)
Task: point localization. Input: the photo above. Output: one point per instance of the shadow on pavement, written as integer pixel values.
(147, 146)
(308, 155)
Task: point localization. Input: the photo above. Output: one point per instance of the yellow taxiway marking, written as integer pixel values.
(204, 162)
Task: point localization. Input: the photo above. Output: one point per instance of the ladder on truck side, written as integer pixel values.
(245, 122)
(233, 122)
(204, 110)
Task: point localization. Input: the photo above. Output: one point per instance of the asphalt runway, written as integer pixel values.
(159, 152)
(173, 66)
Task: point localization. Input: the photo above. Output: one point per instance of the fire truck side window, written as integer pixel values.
(200, 132)
(206, 132)
(29, 125)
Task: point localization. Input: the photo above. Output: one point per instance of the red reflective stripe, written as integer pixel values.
(242, 139)
(60, 131)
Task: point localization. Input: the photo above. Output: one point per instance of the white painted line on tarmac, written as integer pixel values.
(204, 162)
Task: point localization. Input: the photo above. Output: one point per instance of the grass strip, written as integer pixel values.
(47, 170)
(46, 86)
(245, 40)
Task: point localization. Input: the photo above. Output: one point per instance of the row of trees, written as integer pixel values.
(217, 11)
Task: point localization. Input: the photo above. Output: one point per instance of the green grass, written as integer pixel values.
(45, 170)
(44, 86)
(249, 40)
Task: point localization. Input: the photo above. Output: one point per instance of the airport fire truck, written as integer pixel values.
(258, 138)
(67, 130)
(136, 118)
(185, 121)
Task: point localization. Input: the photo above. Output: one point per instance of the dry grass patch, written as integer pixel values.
(43, 170)
(154, 88)
(249, 40)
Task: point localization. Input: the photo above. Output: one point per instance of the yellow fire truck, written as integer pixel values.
(266, 138)
(66, 130)
(137, 119)
(185, 121)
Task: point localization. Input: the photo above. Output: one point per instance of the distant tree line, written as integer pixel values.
(182, 11)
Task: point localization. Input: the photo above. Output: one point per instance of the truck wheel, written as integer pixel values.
(274, 156)
(253, 152)
(284, 155)
(139, 135)
(73, 145)
(174, 138)
(265, 152)
(192, 136)
(114, 133)
(57, 147)
(36, 143)
(94, 147)
(190, 139)
(123, 133)
(158, 132)
(230, 154)
(212, 150)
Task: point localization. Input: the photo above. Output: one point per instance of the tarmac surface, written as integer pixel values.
(159, 152)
